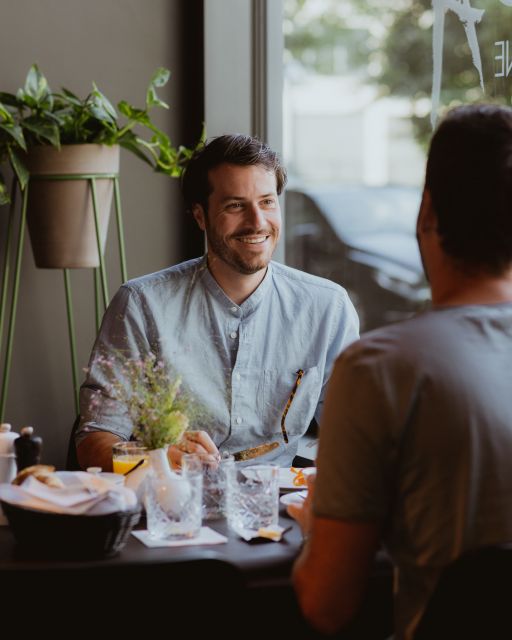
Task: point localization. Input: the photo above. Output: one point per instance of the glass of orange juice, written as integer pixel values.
(125, 455)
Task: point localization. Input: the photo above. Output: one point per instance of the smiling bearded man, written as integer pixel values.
(243, 220)
(241, 331)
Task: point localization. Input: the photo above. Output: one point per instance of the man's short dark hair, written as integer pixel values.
(469, 176)
(232, 149)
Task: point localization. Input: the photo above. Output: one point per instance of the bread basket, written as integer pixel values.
(70, 536)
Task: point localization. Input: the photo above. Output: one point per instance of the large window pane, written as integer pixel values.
(365, 81)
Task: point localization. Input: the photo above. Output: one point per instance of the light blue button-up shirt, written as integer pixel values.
(238, 362)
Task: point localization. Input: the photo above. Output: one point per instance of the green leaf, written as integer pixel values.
(98, 112)
(47, 103)
(19, 169)
(159, 79)
(152, 100)
(5, 115)
(139, 115)
(25, 99)
(202, 139)
(36, 85)
(131, 142)
(45, 130)
(70, 95)
(9, 99)
(16, 132)
(101, 107)
(185, 153)
(58, 117)
(124, 108)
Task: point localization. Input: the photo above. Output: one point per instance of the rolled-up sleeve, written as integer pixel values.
(122, 337)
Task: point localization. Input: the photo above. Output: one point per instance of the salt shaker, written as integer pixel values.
(28, 448)
(7, 456)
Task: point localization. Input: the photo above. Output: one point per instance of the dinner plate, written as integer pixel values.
(68, 477)
(293, 497)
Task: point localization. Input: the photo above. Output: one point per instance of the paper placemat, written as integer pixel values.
(206, 536)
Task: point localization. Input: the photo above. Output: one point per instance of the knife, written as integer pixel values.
(254, 452)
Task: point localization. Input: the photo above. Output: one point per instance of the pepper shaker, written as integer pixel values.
(28, 448)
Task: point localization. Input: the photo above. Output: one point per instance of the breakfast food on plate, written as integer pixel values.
(42, 472)
(302, 475)
(299, 479)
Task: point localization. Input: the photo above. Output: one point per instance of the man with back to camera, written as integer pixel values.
(243, 332)
(416, 435)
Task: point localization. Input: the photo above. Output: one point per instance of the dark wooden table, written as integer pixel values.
(256, 560)
(194, 589)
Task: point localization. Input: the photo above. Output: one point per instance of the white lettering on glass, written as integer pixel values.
(501, 73)
(506, 63)
(469, 17)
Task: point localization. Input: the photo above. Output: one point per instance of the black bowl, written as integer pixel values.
(70, 536)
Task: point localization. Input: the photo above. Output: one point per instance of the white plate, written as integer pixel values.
(68, 477)
(294, 497)
(115, 478)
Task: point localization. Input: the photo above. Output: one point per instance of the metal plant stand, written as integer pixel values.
(100, 275)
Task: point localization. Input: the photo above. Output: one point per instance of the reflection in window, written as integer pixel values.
(359, 89)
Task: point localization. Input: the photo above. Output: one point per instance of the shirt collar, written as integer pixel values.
(252, 301)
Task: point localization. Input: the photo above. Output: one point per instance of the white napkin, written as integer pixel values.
(83, 493)
(293, 497)
(205, 536)
(272, 532)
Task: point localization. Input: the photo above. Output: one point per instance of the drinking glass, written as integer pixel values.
(214, 487)
(125, 455)
(173, 501)
(252, 497)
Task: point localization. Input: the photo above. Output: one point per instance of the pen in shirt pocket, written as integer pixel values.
(298, 380)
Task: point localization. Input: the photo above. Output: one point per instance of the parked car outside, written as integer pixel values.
(364, 238)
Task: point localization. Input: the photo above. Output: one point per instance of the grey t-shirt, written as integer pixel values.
(238, 363)
(417, 436)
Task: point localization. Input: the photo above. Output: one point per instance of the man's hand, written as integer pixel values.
(197, 442)
(302, 512)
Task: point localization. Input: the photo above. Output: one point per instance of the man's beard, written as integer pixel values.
(241, 264)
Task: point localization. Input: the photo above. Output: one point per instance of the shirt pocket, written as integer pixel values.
(278, 386)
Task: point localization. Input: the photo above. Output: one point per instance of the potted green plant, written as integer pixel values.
(46, 135)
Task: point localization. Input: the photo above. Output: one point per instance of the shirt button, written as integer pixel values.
(239, 420)
(234, 309)
(237, 376)
(233, 334)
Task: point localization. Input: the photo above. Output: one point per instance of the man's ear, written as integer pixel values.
(427, 217)
(198, 213)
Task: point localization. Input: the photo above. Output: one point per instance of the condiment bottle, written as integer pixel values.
(7, 457)
(28, 448)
